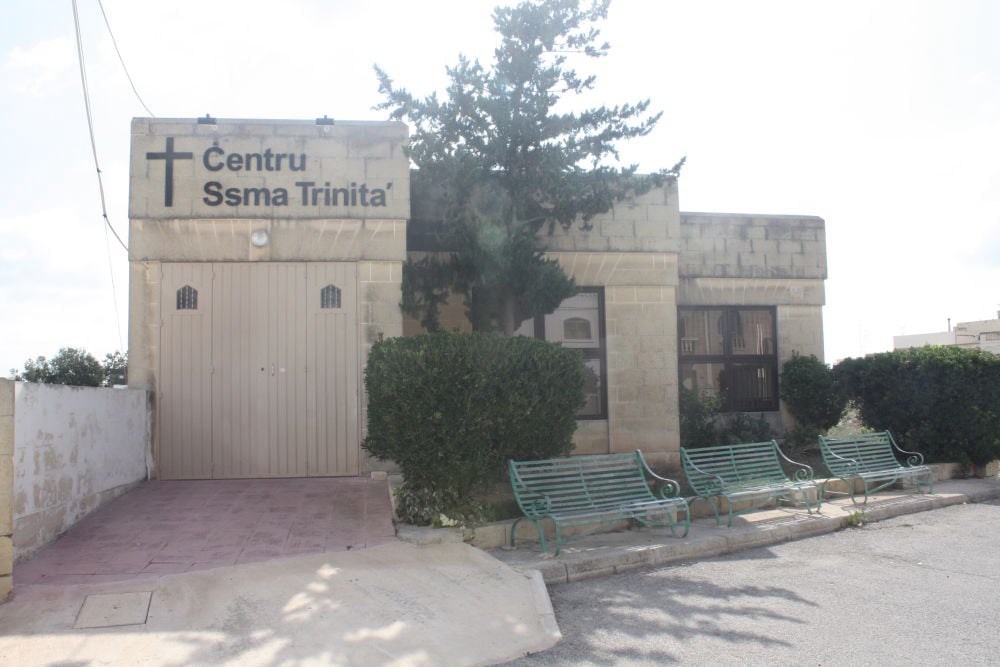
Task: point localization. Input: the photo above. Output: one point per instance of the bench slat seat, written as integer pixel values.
(596, 489)
(748, 472)
(872, 458)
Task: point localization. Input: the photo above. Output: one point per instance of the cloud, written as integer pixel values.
(55, 285)
(42, 69)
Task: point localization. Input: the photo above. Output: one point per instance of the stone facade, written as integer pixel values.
(759, 260)
(650, 259)
(342, 193)
(261, 191)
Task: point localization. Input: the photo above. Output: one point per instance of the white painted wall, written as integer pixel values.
(919, 340)
(75, 448)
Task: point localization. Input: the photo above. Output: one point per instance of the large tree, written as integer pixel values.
(74, 367)
(506, 160)
(69, 366)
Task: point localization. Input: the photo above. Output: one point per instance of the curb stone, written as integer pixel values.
(605, 554)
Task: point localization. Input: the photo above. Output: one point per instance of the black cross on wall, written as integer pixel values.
(168, 180)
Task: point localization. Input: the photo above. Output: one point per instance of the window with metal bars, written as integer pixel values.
(187, 298)
(730, 352)
(329, 297)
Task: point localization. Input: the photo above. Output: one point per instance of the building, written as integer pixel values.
(982, 335)
(266, 258)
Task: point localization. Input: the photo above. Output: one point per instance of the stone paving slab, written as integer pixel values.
(393, 604)
(171, 527)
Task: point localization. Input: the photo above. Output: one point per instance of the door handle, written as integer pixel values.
(272, 370)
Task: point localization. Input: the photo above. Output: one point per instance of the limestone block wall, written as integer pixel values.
(759, 260)
(641, 325)
(650, 223)
(642, 371)
(378, 302)
(731, 245)
(6, 487)
(75, 448)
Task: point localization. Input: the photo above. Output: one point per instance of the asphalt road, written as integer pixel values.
(919, 589)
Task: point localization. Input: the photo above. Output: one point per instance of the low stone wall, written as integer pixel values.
(74, 449)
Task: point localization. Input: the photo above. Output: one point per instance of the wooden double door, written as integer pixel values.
(259, 372)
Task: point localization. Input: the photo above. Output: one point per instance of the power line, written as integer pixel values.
(97, 166)
(114, 291)
(90, 124)
(122, 60)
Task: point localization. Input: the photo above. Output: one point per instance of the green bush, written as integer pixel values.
(451, 408)
(703, 426)
(941, 401)
(810, 393)
(739, 427)
(697, 416)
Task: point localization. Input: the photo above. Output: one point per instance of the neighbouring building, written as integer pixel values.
(266, 258)
(982, 334)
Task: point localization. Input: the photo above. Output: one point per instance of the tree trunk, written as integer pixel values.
(509, 325)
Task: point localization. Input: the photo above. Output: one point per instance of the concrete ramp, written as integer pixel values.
(393, 604)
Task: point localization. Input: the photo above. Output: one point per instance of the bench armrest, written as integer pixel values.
(719, 483)
(803, 473)
(668, 487)
(541, 506)
(912, 458)
(854, 466)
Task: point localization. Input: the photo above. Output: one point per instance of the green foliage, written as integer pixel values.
(810, 393)
(451, 408)
(737, 427)
(941, 401)
(802, 438)
(73, 367)
(702, 425)
(505, 164)
(115, 368)
(697, 416)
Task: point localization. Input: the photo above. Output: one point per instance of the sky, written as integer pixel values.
(881, 117)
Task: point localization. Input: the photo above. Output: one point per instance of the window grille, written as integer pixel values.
(730, 352)
(187, 298)
(329, 297)
(576, 328)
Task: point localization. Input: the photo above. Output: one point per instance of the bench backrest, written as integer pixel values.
(864, 452)
(578, 483)
(738, 465)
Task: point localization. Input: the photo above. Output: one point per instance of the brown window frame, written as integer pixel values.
(599, 353)
(734, 363)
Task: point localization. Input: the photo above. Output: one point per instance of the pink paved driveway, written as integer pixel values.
(169, 527)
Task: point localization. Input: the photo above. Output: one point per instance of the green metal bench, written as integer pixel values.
(596, 489)
(871, 457)
(749, 472)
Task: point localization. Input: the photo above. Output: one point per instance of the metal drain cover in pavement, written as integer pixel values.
(108, 610)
